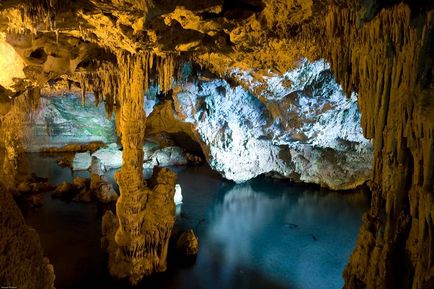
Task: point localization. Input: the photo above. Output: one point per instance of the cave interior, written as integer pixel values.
(217, 144)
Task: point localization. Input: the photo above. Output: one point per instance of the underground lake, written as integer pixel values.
(265, 233)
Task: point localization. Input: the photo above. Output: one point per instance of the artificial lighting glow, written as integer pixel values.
(178, 195)
(11, 64)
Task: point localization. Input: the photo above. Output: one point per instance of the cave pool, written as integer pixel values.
(265, 233)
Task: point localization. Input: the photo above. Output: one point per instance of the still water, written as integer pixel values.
(262, 234)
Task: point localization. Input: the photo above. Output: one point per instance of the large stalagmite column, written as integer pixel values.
(138, 238)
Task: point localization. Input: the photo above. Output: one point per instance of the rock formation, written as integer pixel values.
(61, 120)
(99, 184)
(138, 239)
(299, 125)
(388, 60)
(22, 263)
(187, 244)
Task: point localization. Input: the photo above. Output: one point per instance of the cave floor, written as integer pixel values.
(261, 234)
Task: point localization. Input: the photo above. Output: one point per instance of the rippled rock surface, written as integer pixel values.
(299, 126)
(63, 120)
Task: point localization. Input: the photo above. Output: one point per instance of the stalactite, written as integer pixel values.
(46, 11)
(387, 60)
(105, 82)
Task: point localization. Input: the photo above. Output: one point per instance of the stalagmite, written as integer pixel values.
(138, 238)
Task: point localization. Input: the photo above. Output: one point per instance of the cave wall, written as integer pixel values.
(388, 60)
(64, 119)
(22, 262)
(299, 125)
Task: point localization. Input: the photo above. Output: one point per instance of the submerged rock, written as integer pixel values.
(99, 184)
(80, 183)
(168, 156)
(81, 161)
(106, 193)
(187, 244)
(82, 187)
(34, 200)
(84, 196)
(64, 190)
(110, 156)
(24, 187)
(66, 161)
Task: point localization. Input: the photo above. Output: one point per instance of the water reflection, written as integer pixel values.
(261, 234)
(298, 237)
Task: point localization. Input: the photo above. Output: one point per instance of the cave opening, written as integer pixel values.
(221, 144)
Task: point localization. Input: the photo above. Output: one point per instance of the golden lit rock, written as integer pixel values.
(11, 64)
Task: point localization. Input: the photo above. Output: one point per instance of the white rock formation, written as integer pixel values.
(168, 156)
(81, 161)
(178, 195)
(300, 126)
(110, 156)
(99, 183)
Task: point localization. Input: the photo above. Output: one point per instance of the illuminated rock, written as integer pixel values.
(187, 244)
(81, 161)
(11, 64)
(137, 238)
(110, 156)
(178, 195)
(99, 184)
(168, 156)
(61, 120)
(82, 187)
(22, 256)
(64, 190)
(380, 49)
(307, 130)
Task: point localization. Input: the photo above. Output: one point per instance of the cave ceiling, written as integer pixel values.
(64, 37)
(56, 37)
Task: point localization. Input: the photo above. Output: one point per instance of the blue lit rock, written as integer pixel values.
(62, 120)
(81, 161)
(110, 156)
(299, 126)
(165, 157)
